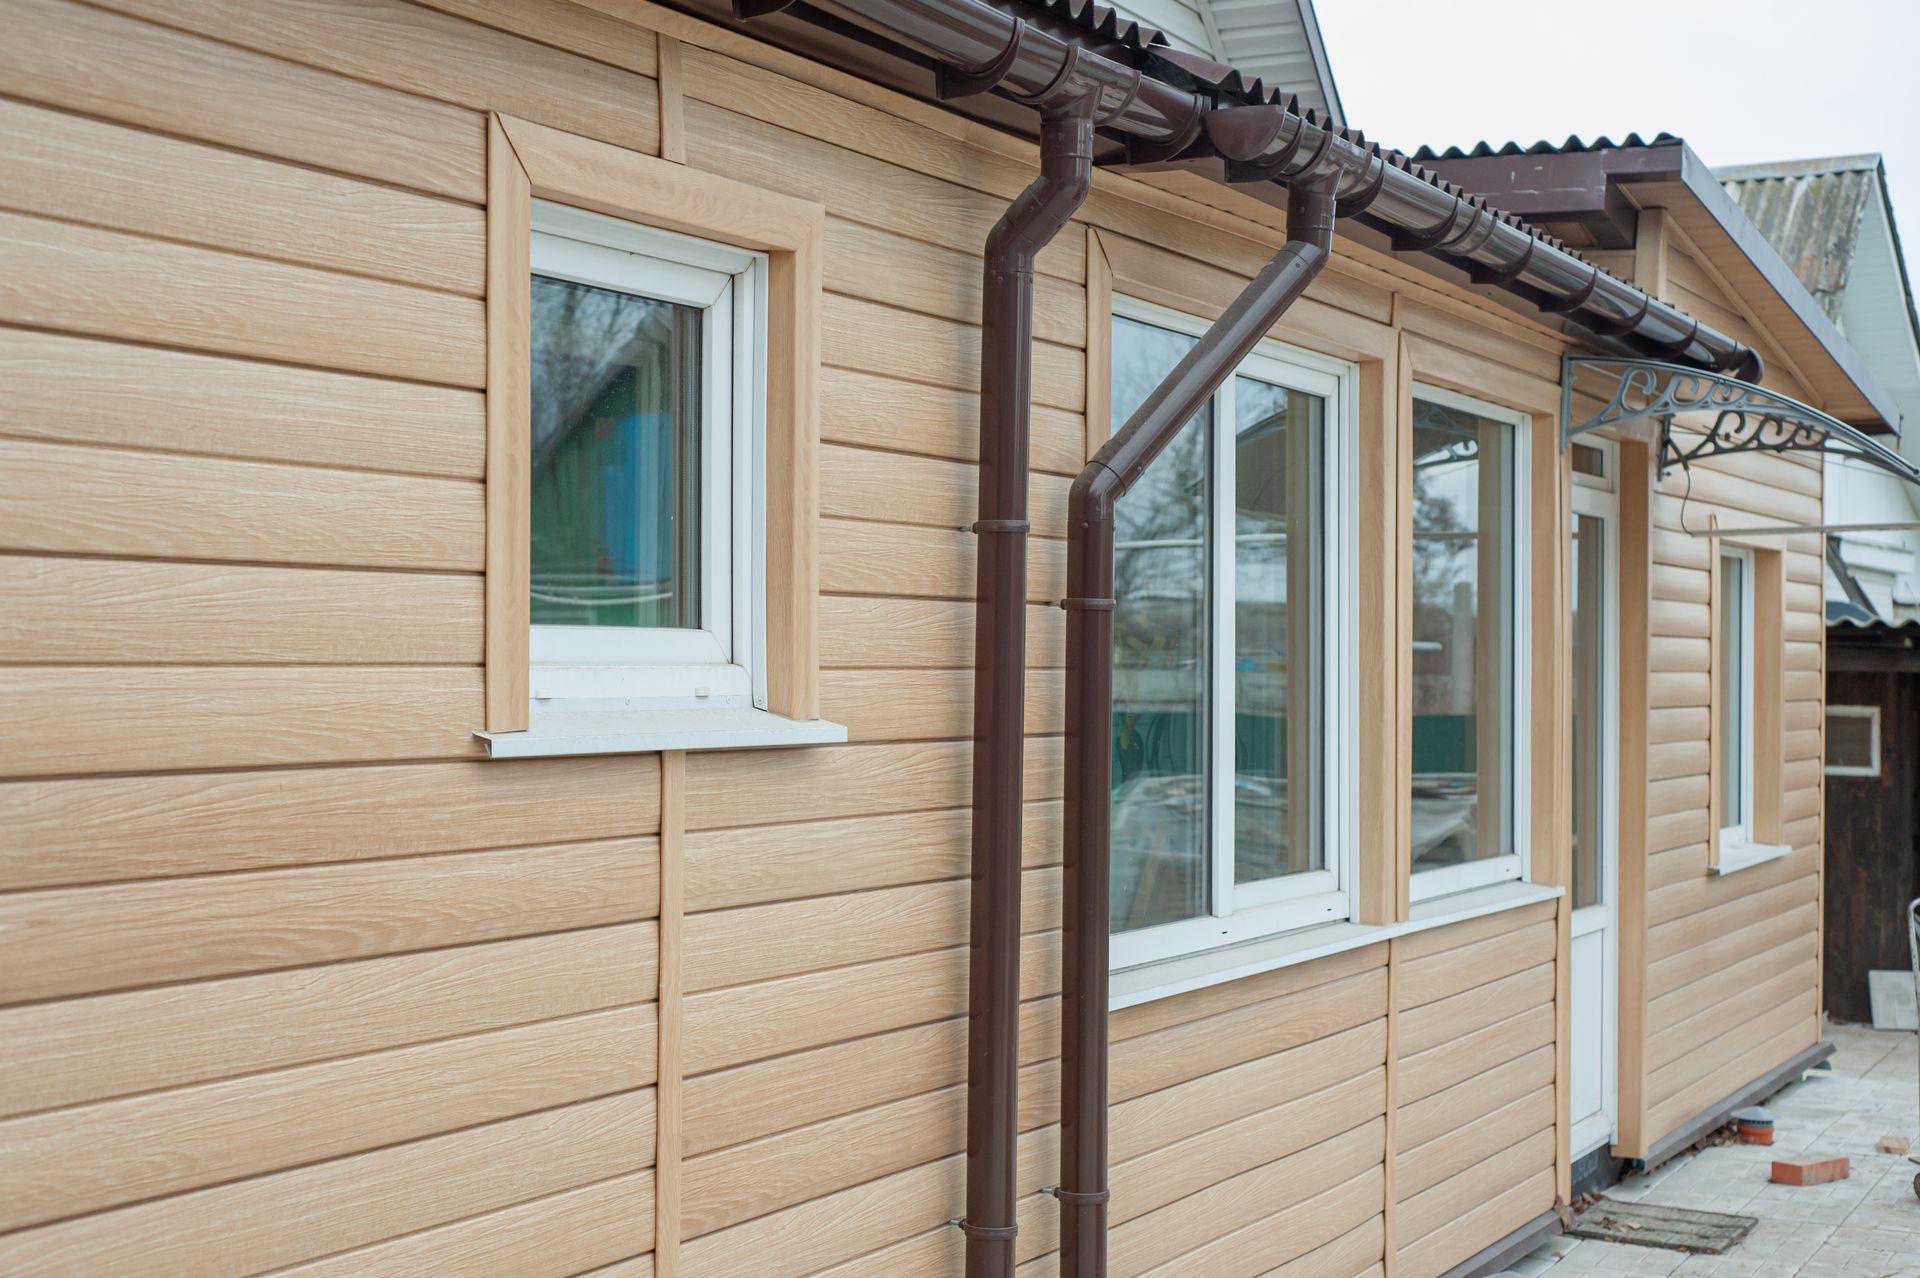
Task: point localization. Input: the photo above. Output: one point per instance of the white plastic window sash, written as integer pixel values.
(1514, 694)
(1241, 912)
(722, 662)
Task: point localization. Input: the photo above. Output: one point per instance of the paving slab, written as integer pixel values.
(1867, 1226)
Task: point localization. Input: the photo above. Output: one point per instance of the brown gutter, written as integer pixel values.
(1090, 607)
(1176, 110)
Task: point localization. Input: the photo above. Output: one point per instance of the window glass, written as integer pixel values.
(1219, 674)
(1733, 656)
(1463, 613)
(1589, 715)
(1160, 720)
(1277, 684)
(1853, 740)
(616, 467)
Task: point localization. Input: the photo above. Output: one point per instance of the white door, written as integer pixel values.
(1595, 596)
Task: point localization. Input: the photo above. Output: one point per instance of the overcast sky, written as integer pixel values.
(1743, 81)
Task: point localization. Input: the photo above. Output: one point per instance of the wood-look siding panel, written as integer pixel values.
(865, 633)
(764, 942)
(409, 47)
(895, 271)
(936, 211)
(292, 1216)
(727, 788)
(1188, 1236)
(1474, 1009)
(66, 941)
(79, 170)
(1457, 971)
(1417, 1170)
(918, 705)
(868, 337)
(109, 829)
(1206, 1158)
(70, 1051)
(1165, 1057)
(1190, 1109)
(1290, 1233)
(76, 719)
(76, 1160)
(81, 279)
(862, 558)
(553, 1237)
(110, 611)
(74, 499)
(1480, 1094)
(758, 864)
(1461, 1058)
(861, 483)
(885, 413)
(80, 58)
(75, 389)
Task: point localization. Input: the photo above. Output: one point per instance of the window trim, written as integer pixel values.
(527, 161)
(1872, 715)
(1754, 839)
(1427, 885)
(1317, 897)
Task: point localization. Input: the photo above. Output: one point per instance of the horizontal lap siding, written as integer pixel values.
(292, 981)
(331, 994)
(1733, 961)
(1476, 1093)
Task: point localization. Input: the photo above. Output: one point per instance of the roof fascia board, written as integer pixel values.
(1576, 186)
(1773, 269)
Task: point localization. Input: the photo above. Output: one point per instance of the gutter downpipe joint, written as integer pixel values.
(1090, 606)
(1072, 103)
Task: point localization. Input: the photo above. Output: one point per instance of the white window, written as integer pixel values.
(1735, 729)
(1469, 633)
(1853, 741)
(647, 377)
(1233, 700)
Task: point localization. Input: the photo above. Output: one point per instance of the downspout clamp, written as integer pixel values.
(1090, 605)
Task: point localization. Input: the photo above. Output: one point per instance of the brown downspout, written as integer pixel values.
(1000, 638)
(1090, 607)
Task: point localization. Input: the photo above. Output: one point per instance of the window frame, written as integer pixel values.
(1291, 902)
(1738, 833)
(1872, 715)
(722, 661)
(1516, 864)
(528, 161)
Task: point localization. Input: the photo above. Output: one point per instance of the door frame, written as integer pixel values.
(1598, 497)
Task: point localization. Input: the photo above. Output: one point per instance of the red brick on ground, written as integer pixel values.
(1812, 1169)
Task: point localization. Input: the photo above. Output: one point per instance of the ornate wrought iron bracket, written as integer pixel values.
(1740, 417)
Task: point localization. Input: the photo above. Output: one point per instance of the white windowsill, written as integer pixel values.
(1739, 855)
(567, 732)
(1168, 977)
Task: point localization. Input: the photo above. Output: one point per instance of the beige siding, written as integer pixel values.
(291, 980)
(262, 1010)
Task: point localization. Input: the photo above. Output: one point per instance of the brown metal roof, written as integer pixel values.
(1584, 187)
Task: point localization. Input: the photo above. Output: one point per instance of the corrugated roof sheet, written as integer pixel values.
(1572, 145)
(1812, 218)
(1106, 23)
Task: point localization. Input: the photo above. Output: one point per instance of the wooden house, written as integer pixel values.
(502, 750)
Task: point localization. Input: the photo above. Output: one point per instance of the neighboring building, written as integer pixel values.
(496, 575)
(1832, 220)
(1275, 40)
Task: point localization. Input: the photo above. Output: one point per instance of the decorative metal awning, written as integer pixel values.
(1744, 418)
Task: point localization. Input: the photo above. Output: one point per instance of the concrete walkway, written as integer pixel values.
(1867, 1226)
